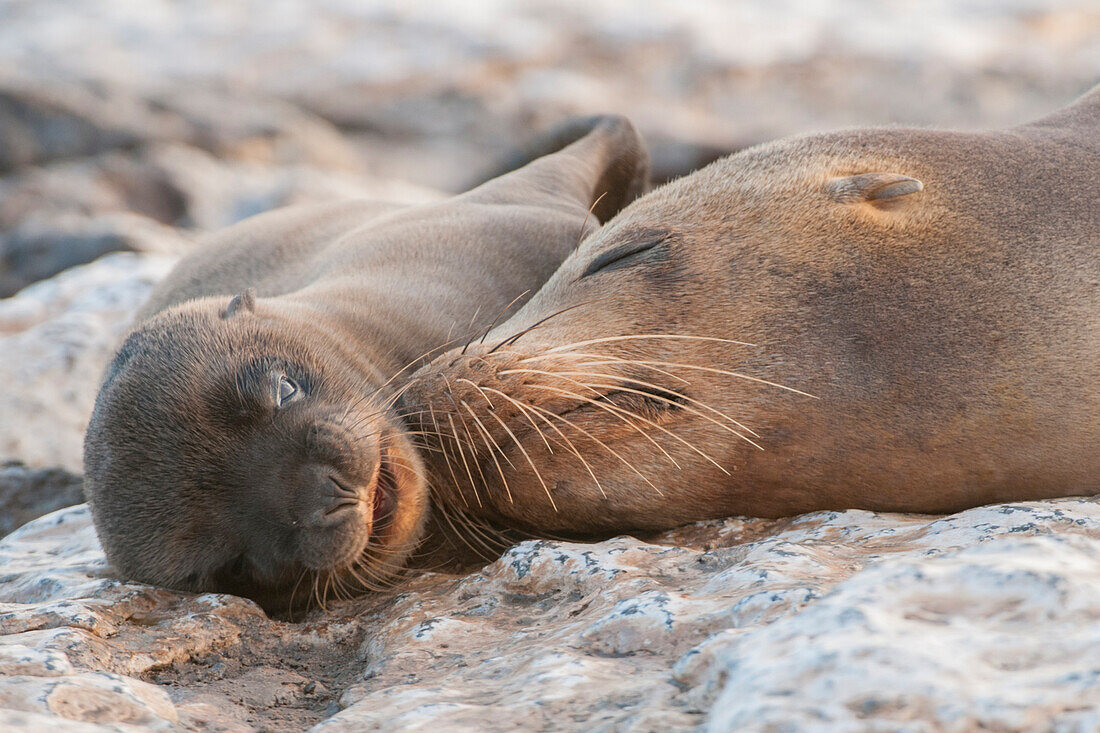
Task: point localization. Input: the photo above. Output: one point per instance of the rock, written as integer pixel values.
(62, 120)
(431, 93)
(831, 621)
(41, 247)
(73, 117)
(27, 493)
(56, 338)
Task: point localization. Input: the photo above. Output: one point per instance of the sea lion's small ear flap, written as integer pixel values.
(872, 187)
(594, 163)
(246, 301)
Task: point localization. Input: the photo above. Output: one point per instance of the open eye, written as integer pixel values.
(286, 389)
(622, 256)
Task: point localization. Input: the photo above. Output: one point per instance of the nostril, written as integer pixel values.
(342, 489)
(324, 498)
(342, 505)
(331, 511)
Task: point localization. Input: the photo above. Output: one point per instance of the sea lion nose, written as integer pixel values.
(323, 500)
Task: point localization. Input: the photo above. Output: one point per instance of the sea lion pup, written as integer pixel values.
(247, 443)
(928, 301)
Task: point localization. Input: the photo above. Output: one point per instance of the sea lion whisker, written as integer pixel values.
(428, 433)
(441, 347)
(485, 397)
(610, 359)
(420, 444)
(473, 451)
(402, 370)
(615, 410)
(470, 328)
(573, 448)
(679, 404)
(491, 539)
(497, 318)
(688, 408)
(606, 447)
(486, 437)
(588, 216)
(465, 463)
(470, 444)
(491, 533)
(523, 450)
(602, 405)
(383, 409)
(373, 580)
(457, 533)
(475, 386)
(628, 337)
(469, 530)
(294, 589)
(715, 370)
(511, 340)
(447, 458)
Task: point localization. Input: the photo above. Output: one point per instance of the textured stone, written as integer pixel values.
(40, 247)
(829, 621)
(27, 493)
(55, 340)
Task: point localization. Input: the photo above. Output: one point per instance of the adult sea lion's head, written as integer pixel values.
(664, 373)
(935, 291)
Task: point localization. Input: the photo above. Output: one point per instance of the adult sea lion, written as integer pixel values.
(244, 438)
(889, 319)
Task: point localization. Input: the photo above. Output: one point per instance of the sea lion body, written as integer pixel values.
(933, 297)
(244, 439)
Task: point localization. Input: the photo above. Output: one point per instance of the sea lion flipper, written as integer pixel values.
(601, 170)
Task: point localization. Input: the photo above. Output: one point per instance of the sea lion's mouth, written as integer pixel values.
(384, 496)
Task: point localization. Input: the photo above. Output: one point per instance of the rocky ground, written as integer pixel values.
(128, 129)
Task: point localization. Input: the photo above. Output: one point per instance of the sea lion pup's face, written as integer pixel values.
(285, 471)
(638, 386)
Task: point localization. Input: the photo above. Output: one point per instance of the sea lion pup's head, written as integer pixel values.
(249, 444)
(235, 446)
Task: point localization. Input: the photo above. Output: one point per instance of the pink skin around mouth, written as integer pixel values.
(383, 505)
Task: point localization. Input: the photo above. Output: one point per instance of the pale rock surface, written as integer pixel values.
(56, 338)
(834, 621)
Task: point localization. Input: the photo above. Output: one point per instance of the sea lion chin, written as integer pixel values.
(893, 320)
(246, 437)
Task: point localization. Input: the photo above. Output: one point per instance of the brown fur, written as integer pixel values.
(937, 293)
(249, 444)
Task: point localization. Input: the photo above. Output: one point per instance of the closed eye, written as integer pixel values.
(621, 256)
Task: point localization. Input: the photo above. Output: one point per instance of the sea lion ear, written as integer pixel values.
(871, 187)
(594, 163)
(245, 301)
